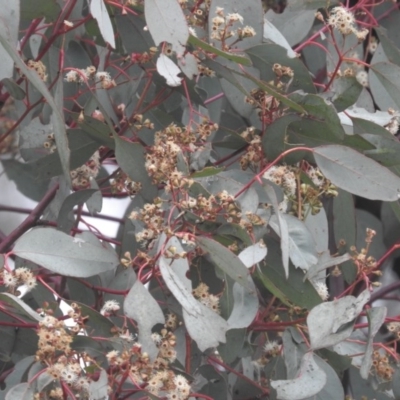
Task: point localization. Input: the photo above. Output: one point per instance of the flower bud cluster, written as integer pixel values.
(202, 294)
(343, 20)
(266, 105)
(53, 337)
(39, 67)
(50, 143)
(152, 217)
(82, 175)
(305, 197)
(123, 184)
(173, 141)
(18, 277)
(254, 152)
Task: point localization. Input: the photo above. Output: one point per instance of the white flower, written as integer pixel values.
(272, 347)
(103, 76)
(72, 76)
(110, 305)
(234, 17)
(362, 78)
(181, 382)
(9, 279)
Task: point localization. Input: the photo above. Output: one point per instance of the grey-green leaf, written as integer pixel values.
(356, 173)
(167, 23)
(64, 254)
(225, 260)
(140, 305)
(311, 379)
(130, 157)
(325, 320)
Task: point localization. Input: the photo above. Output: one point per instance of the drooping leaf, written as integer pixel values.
(310, 381)
(225, 260)
(140, 305)
(302, 250)
(64, 254)
(98, 390)
(99, 12)
(293, 25)
(9, 17)
(66, 219)
(179, 288)
(60, 132)
(325, 320)
(293, 289)
(207, 328)
(167, 23)
(20, 307)
(344, 227)
(357, 174)
(169, 70)
(333, 388)
(245, 306)
(376, 317)
(130, 157)
(22, 391)
(388, 75)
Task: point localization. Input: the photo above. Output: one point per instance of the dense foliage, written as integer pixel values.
(242, 132)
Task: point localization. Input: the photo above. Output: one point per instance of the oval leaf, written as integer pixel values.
(253, 254)
(357, 174)
(64, 254)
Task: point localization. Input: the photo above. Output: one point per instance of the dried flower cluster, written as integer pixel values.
(174, 141)
(209, 300)
(81, 176)
(267, 106)
(40, 69)
(222, 28)
(343, 20)
(300, 196)
(156, 377)
(254, 152)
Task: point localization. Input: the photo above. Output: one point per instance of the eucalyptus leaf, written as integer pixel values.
(310, 381)
(331, 322)
(357, 174)
(167, 23)
(140, 305)
(64, 254)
